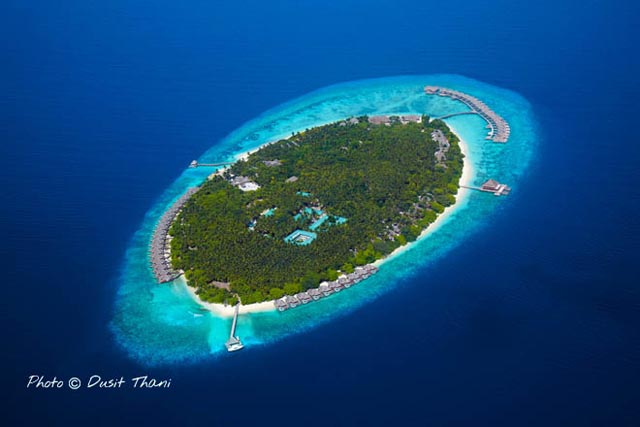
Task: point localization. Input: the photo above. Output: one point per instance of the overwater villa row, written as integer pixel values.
(160, 249)
(326, 288)
(499, 129)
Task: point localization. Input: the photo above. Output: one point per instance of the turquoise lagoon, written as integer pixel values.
(161, 324)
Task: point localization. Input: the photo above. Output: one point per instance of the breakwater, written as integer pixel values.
(160, 249)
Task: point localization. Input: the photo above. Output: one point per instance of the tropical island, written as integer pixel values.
(317, 205)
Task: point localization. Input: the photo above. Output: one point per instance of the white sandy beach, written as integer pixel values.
(222, 310)
(466, 178)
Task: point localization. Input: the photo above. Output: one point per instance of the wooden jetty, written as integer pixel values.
(234, 343)
(499, 129)
(195, 164)
(159, 250)
(491, 186)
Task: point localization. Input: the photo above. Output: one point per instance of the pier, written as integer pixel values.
(499, 129)
(160, 249)
(195, 164)
(491, 186)
(234, 343)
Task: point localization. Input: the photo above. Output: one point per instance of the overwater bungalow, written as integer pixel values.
(335, 286)
(490, 185)
(292, 301)
(281, 304)
(315, 294)
(325, 289)
(493, 186)
(303, 297)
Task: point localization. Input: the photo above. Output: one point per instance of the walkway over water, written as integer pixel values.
(195, 164)
(499, 129)
(446, 116)
(234, 343)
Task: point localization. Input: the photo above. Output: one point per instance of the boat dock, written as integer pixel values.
(195, 164)
(160, 255)
(326, 288)
(234, 343)
(499, 129)
(492, 186)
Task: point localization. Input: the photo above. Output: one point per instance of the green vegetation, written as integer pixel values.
(383, 179)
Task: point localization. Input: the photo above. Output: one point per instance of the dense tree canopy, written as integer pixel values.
(384, 179)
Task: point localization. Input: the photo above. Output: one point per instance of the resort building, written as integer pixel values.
(387, 120)
(493, 186)
(410, 118)
(379, 120)
(314, 294)
(443, 145)
(292, 301)
(490, 185)
(249, 186)
(272, 163)
(325, 289)
(303, 297)
(244, 183)
(281, 304)
(301, 237)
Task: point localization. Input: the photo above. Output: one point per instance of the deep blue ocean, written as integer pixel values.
(533, 319)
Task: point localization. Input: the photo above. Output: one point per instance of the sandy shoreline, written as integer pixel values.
(222, 310)
(467, 175)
